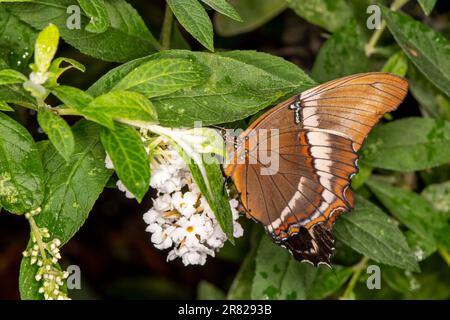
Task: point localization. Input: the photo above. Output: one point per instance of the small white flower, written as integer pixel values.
(163, 203)
(122, 188)
(108, 162)
(185, 203)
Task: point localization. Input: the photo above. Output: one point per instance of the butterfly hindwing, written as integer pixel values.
(318, 135)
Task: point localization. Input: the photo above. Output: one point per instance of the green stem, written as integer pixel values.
(445, 255)
(67, 112)
(166, 31)
(37, 235)
(357, 271)
(370, 46)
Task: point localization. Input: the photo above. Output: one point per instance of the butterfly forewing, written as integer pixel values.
(318, 133)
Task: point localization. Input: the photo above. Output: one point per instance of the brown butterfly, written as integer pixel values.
(319, 132)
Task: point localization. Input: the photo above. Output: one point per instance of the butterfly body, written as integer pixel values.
(314, 138)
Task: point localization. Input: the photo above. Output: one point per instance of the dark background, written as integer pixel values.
(114, 252)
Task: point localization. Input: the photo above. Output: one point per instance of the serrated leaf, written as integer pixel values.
(279, 276)
(439, 196)
(21, 173)
(16, 94)
(17, 39)
(427, 49)
(71, 191)
(127, 37)
(426, 94)
(397, 64)
(240, 84)
(96, 10)
(46, 46)
(223, 7)
(120, 105)
(163, 76)
(327, 282)
(329, 14)
(9, 76)
(58, 132)
(193, 17)
(72, 188)
(408, 144)
(413, 211)
(131, 163)
(369, 231)
(346, 44)
(254, 14)
(55, 70)
(427, 5)
(72, 97)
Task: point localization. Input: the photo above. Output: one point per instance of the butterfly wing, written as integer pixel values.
(317, 135)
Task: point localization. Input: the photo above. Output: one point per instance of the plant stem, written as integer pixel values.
(370, 46)
(67, 112)
(357, 270)
(445, 255)
(37, 235)
(166, 31)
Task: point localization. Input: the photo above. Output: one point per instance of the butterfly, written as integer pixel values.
(315, 137)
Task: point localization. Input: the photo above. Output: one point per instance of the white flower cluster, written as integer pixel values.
(45, 254)
(181, 218)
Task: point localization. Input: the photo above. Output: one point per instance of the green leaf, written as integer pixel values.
(329, 14)
(426, 94)
(45, 48)
(408, 144)
(16, 94)
(223, 7)
(240, 84)
(56, 70)
(240, 288)
(254, 14)
(427, 5)
(120, 105)
(131, 163)
(71, 191)
(279, 276)
(28, 286)
(193, 17)
(17, 41)
(58, 132)
(207, 291)
(5, 107)
(369, 231)
(72, 188)
(346, 44)
(96, 10)
(72, 97)
(163, 76)
(21, 173)
(427, 49)
(127, 37)
(397, 64)
(413, 211)
(422, 247)
(214, 191)
(327, 282)
(439, 196)
(9, 76)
